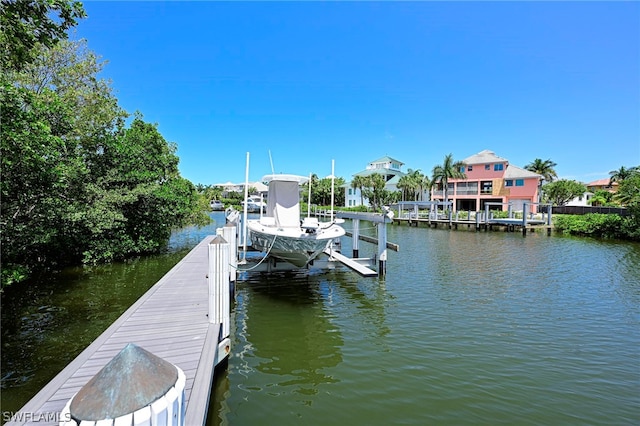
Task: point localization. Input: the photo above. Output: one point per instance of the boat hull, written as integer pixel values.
(295, 246)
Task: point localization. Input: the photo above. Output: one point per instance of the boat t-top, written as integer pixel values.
(281, 233)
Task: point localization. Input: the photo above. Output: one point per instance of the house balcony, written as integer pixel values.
(467, 192)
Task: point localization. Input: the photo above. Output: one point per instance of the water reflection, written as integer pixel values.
(367, 301)
(291, 333)
(48, 321)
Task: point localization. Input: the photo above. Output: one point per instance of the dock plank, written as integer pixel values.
(361, 269)
(169, 320)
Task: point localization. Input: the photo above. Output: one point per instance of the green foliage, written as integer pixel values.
(374, 190)
(449, 169)
(600, 225)
(77, 185)
(623, 173)
(321, 191)
(562, 191)
(26, 24)
(545, 168)
(629, 190)
(413, 184)
(35, 177)
(602, 198)
(631, 224)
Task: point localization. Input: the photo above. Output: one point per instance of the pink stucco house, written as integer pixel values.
(491, 179)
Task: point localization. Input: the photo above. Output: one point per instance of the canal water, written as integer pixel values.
(467, 328)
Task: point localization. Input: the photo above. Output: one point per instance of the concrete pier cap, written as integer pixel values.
(135, 388)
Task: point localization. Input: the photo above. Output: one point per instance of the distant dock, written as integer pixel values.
(506, 224)
(426, 213)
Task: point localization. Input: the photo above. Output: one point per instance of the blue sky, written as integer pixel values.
(313, 82)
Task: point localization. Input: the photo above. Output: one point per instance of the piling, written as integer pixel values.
(134, 388)
(356, 238)
(219, 284)
(382, 249)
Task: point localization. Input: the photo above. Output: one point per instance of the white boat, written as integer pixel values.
(254, 205)
(281, 233)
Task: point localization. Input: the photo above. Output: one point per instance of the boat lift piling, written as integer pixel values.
(511, 222)
(356, 237)
(381, 220)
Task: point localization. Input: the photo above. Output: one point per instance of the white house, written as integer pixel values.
(388, 167)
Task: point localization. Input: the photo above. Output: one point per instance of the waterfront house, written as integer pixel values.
(581, 200)
(389, 168)
(593, 187)
(602, 185)
(490, 178)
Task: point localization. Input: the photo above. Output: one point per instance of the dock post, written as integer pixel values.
(382, 249)
(229, 232)
(486, 217)
(219, 284)
(525, 209)
(153, 393)
(356, 237)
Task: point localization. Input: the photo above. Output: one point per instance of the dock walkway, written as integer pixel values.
(169, 320)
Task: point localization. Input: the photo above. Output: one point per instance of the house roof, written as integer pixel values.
(394, 180)
(513, 172)
(386, 159)
(387, 172)
(484, 157)
(602, 182)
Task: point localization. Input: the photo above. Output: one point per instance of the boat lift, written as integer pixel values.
(239, 262)
(243, 261)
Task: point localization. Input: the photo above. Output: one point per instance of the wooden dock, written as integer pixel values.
(507, 225)
(170, 320)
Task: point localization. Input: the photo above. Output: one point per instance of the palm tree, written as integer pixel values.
(415, 177)
(621, 174)
(411, 183)
(404, 184)
(545, 169)
(377, 183)
(359, 182)
(449, 169)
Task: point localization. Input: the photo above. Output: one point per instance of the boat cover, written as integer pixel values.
(283, 203)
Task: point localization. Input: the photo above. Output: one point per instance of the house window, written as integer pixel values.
(487, 167)
(486, 187)
(469, 168)
(508, 182)
(350, 191)
(461, 169)
(519, 182)
(498, 167)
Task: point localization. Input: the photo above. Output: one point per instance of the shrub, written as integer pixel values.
(592, 224)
